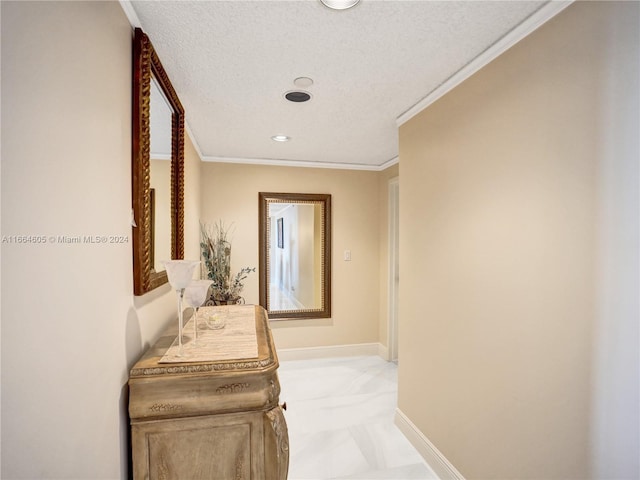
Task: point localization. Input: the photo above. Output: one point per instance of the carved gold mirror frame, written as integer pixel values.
(283, 237)
(146, 65)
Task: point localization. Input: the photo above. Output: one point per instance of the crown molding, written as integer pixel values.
(300, 163)
(388, 163)
(529, 25)
(131, 14)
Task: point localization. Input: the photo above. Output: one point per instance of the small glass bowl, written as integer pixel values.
(215, 321)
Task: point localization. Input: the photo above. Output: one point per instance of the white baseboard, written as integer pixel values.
(434, 458)
(330, 351)
(383, 352)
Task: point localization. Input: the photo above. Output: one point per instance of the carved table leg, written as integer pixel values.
(276, 444)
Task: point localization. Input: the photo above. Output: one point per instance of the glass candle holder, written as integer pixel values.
(216, 321)
(180, 273)
(195, 295)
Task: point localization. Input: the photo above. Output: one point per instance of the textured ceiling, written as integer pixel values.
(231, 63)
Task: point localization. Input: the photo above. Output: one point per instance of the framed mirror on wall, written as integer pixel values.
(157, 168)
(295, 255)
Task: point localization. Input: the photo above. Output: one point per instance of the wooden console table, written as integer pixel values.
(208, 420)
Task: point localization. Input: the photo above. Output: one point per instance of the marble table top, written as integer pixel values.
(236, 340)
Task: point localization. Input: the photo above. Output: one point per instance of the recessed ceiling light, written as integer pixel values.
(297, 96)
(340, 4)
(280, 138)
(303, 82)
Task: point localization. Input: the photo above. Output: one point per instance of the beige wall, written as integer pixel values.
(192, 204)
(519, 257)
(230, 193)
(71, 327)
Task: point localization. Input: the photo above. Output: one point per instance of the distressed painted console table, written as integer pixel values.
(217, 419)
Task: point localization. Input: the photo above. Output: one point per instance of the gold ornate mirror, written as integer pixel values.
(158, 172)
(295, 255)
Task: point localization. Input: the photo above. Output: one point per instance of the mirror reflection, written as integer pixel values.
(160, 112)
(295, 261)
(295, 255)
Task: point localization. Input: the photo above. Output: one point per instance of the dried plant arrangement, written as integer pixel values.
(215, 247)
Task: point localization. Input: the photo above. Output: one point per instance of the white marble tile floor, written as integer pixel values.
(340, 416)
